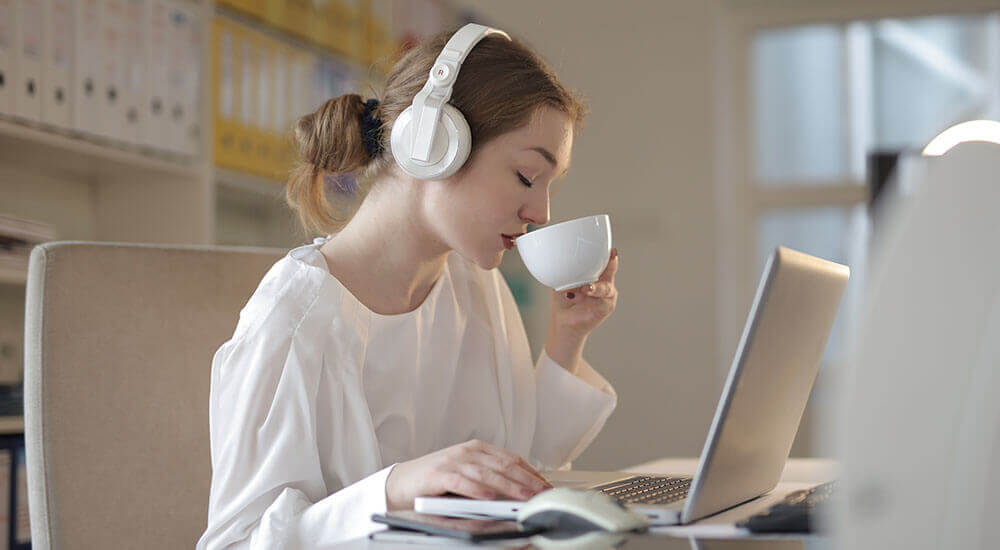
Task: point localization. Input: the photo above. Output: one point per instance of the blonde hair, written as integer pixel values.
(501, 85)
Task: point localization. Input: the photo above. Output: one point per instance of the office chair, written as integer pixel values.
(119, 340)
(919, 416)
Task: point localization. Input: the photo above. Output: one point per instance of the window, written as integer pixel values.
(822, 97)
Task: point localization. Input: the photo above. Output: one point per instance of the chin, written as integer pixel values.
(486, 261)
(490, 263)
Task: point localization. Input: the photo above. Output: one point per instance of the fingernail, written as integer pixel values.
(615, 253)
(570, 295)
(527, 493)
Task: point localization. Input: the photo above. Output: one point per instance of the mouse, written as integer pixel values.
(567, 509)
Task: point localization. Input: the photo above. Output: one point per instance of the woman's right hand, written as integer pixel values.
(472, 469)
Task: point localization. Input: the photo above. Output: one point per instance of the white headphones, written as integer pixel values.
(431, 139)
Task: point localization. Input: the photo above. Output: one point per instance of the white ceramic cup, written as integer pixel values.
(568, 254)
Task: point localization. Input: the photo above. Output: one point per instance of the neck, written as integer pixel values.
(386, 256)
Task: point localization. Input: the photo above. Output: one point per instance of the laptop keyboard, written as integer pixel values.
(647, 489)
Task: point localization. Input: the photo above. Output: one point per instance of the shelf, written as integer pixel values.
(66, 151)
(249, 183)
(10, 425)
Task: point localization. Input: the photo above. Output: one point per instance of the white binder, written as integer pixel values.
(28, 42)
(111, 60)
(177, 47)
(7, 56)
(87, 84)
(57, 64)
(194, 45)
(154, 126)
(133, 70)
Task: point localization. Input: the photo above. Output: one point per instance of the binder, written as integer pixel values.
(348, 29)
(299, 99)
(225, 93)
(87, 83)
(264, 111)
(57, 65)
(111, 61)
(133, 70)
(284, 57)
(379, 45)
(8, 10)
(184, 68)
(317, 23)
(176, 22)
(190, 139)
(28, 58)
(153, 125)
(246, 130)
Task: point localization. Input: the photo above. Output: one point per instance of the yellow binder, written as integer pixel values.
(283, 150)
(349, 30)
(226, 82)
(267, 141)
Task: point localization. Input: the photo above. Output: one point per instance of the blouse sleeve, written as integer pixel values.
(571, 410)
(268, 489)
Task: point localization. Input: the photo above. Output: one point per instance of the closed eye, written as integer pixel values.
(524, 180)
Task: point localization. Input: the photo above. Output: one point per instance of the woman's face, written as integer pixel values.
(503, 189)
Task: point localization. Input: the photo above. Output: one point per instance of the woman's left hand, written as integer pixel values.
(577, 312)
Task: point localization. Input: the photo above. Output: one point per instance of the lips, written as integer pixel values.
(508, 240)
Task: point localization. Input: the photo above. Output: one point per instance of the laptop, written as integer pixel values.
(762, 403)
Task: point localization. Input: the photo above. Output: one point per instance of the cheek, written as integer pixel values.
(492, 204)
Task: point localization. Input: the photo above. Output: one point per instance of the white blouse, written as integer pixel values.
(315, 397)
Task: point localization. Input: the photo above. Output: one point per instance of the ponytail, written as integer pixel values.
(332, 147)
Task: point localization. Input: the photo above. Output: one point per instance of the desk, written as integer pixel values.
(799, 473)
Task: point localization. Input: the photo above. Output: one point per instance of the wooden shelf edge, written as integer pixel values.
(94, 149)
(249, 183)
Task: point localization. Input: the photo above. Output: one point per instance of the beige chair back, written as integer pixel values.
(119, 340)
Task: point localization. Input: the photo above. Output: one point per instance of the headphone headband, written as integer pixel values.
(427, 104)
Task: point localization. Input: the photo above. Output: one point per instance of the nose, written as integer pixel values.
(536, 211)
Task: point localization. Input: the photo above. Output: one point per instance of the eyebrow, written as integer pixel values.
(545, 153)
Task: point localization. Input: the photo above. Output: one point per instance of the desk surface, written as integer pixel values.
(799, 473)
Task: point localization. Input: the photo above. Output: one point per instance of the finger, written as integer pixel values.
(455, 482)
(495, 481)
(515, 458)
(600, 289)
(612, 267)
(514, 471)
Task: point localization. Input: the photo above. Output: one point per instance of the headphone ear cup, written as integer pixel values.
(451, 147)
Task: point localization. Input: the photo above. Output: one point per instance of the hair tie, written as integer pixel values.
(371, 129)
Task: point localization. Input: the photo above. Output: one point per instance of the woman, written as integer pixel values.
(388, 360)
